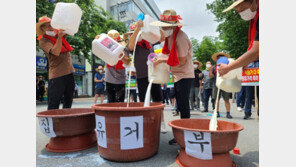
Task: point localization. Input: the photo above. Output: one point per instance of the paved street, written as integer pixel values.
(248, 143)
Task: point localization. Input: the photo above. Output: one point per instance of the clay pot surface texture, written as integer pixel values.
(151, 130)
(219, 160)
(71, 122)
(72, 143)
(223, 140)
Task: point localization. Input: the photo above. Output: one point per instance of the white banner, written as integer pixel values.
(46, 126)
(198, 144)
(131, 132)
(101, 131)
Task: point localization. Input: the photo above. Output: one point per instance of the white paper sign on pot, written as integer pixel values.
(198, 144)
(131, 132)
(101, 131)
(46, 126)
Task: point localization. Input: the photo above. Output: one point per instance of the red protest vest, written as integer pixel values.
(253, 30)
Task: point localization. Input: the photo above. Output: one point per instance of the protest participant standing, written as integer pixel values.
(143, 49)
(207, 87)
(225, 95)
(99, 79)
(41, 88)
(196, 86)
(115, 75)
(249, 11)
(57, 50)
(179, 48)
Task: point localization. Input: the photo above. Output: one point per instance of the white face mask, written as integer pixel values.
(195, 65)
(168, 33)
(208, 65)
(248, 14)
(50, 33)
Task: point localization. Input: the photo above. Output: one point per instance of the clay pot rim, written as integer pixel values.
(40, 114)
(102, 107)
(202, 130)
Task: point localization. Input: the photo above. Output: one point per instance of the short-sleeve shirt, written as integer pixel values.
(58, 65)
(99, 76)
(184, 49)
(141, 58)
(208, 82)
(114, 76)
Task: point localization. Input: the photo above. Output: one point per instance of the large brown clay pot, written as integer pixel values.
(73, 129)
(219, 160)
(223, 140)
(151, 130)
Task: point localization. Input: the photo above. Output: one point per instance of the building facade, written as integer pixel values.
(79, 74)
(127, 11)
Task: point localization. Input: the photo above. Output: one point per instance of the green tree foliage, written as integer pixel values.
(206, 49)
(195, 46)
(233, 30)
(95, 20)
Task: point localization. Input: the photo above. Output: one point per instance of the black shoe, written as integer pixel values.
(228, 116)
(205, 110)
(247, 116)
(218, 114)
(171, 142)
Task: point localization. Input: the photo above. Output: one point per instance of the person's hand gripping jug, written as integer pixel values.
(230, 82)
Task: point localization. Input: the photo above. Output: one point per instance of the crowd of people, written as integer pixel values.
(191, 85)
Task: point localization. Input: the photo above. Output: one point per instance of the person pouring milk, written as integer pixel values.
(249, 11)
(115, 75)
(57, 50)
(143, 49)
(179, 48)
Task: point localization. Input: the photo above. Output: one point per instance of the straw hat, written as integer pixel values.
(114, 34)
(168, 18)
(97, 69)
(233, 5)
(214, 56)
(42, 20)
(197, 62)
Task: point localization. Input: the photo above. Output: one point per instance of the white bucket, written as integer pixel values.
(160, 73)
(150, 33)
(107, 49)
(230, 82)
(67, 16)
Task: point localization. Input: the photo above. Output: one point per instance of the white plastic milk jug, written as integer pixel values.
(107, 49)
(67, 16)
(230, 82)
(150, 33)
(160, 73)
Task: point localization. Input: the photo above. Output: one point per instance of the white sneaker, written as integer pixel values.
(162, 129)
(239, 109)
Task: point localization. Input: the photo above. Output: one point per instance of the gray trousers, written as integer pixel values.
(194, 93)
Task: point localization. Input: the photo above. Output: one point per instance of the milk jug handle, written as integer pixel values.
(121, 56)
